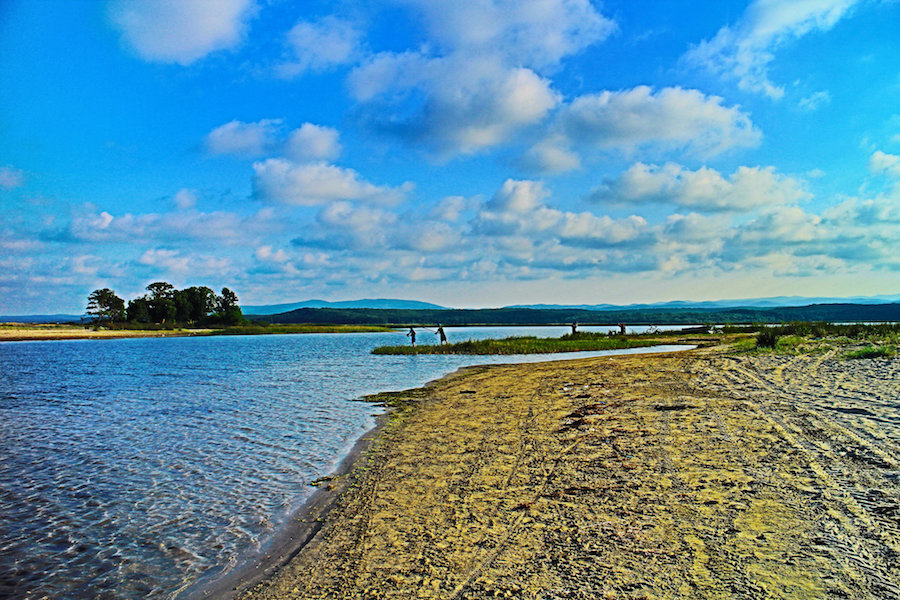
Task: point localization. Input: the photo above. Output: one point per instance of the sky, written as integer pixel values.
(471, 153)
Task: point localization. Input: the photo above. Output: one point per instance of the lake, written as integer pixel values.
(130, 468)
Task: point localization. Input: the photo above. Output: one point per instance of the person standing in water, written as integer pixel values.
(440, 332)
(412, 335)
(574, 327)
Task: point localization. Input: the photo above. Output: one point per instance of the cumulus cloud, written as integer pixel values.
(244, 139)
(319, 46)
(180, 31)
(313, 142)
(460, 105)
(480, 81)
(10, 177)
(672, 118)
(534, 33)
(745, 51)
(518, 208)
(282, 181)
(883, 163)
(748, 188)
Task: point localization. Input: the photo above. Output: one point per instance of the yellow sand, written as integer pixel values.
(19, 332)
(692, 475)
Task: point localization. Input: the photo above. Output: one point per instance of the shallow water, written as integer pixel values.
(129, 468)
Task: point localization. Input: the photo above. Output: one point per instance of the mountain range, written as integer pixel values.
(398, 304)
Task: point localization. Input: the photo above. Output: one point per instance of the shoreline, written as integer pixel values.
(698, 480)
(14, 332)
(304, 524)
(300, 527)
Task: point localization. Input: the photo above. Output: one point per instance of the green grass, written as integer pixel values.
(526, 345)
(872, 352)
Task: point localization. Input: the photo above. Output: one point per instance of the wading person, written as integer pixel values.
(412, 336)
(574, 327)
(440, 332)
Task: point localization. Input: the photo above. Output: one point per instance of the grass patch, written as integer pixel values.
(580, 342)
(871, 352)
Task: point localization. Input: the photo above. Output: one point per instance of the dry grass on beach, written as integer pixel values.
(693, 475)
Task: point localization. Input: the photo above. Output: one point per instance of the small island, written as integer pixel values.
(577, 342)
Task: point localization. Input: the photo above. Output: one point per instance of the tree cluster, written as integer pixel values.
(165, 305)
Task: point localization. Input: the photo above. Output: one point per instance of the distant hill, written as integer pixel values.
(40, 318)
(835, 313)
(383, 303)
(773, 302)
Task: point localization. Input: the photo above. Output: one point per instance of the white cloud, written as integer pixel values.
(518, 208)
(468, 103)
(180, 31)
(10, 177)
(176, 226)
(815, 101)
(536, 33)
(783, 225)
(888, 164)
(313, 142)
(478, 82)
(520, 197)
(551, 156)
(244, 139)
(744, 51)
(746, 189)
(162, 258)
(319, 46)
(280, 180)
(266, 254)
(672, 118)
(185, 199)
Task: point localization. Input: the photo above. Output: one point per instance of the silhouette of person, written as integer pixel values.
(574, 327)
(412, 336)
(621, 328)
(440, 332)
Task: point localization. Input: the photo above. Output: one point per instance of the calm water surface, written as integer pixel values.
(129, 468)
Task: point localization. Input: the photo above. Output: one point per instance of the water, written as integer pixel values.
(129, 468)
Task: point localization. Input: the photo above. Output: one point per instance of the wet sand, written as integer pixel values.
(701, 474)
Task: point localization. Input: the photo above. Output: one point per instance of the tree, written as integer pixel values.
(104, 305)
(138, 310)
(227, 310)
(162, 301)
(195, 303)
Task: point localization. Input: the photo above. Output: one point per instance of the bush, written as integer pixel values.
(767, 337)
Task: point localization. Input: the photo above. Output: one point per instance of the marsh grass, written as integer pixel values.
(805, 338)
(872, 352)
(580, 342)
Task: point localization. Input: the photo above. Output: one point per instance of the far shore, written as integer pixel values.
(33, 332)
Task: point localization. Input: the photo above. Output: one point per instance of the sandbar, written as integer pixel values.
(700, 474)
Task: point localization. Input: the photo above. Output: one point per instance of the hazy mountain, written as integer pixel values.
(389, 303)
(40, 318)
(773, 302)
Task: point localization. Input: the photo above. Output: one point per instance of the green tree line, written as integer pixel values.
(165, 305)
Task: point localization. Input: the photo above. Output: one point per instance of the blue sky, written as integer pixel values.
(471, 154)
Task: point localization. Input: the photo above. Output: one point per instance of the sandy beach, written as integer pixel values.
(693, 475)
(12, 332)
